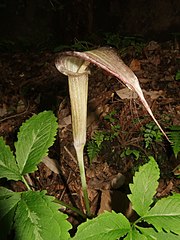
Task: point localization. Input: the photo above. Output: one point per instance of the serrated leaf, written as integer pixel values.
(37, 218)
(144, 187)
(165, 214)
(8, 166)
(35, 137)
(109, 225)
(174, 136)
(175, 196)
(5, 193)
(151, 234)
(8, 205)
(135, 235)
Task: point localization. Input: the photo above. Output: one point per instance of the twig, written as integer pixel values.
(70, 154)
(62, 194)
(15, 115)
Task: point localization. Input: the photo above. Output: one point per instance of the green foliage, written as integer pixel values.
(35, 137)
(174, 137)
(176, 171)
(177, 77)
(151, 234)
(144, 187)
(128, 151)
(95, 145)
(163, 216)
(8, 165)
(111, 117)
(124, 42)
(8, 205)
(76, 46)
(32, 215)
(98, 140)
(106, 226)
(151, 134)
(41, 220)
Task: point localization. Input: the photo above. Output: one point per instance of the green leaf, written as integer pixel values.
(98, 138)
(35, 137)
(150, 233)
(108, 225)
(144, 187)
(8, 166)
(134, 152)
(5, 193)
(177, 77)
(165, 214)
(135, 235)
(92, 150)
(8, 205)
(174, 136)
(37, 218)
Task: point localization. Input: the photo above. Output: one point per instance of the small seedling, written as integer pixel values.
(96, 144)
(151, 134)
(111, 117)
(128, 151)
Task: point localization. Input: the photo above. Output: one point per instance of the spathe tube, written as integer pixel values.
(76, 70)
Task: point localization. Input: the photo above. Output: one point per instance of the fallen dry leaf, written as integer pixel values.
(154, 94)
(126, 93)
(135, 65)
(51, 164)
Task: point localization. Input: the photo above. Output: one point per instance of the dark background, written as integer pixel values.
(49, 23)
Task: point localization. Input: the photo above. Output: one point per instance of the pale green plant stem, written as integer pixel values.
(25, 182)
(79, 151)
(58, 201)
(140, 219)
(74, 209)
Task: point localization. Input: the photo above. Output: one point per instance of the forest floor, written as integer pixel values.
(30, 83)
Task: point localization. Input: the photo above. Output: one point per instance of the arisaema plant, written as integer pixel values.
(75, 66)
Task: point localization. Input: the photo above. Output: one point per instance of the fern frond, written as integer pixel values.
(174, 137)
(93, 150)
(98, 137)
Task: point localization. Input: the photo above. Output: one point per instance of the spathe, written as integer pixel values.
(107, 59)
